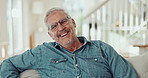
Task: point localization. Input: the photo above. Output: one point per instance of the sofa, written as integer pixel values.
(140, 64)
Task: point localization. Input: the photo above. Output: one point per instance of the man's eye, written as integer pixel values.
(63, 21)
(53, 26)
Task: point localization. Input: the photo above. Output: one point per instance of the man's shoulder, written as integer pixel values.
(101, 44)
(98, 42)
(45, 44)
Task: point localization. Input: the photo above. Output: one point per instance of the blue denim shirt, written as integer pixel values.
(95, 59)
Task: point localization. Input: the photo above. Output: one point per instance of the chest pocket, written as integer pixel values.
(57, 66)
(57, 62)
(97, 67)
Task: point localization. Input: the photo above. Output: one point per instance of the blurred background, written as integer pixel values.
(121, 23)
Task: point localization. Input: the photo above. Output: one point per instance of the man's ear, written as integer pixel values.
(50, 35)
(73, 21)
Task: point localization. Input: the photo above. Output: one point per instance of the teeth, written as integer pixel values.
(63, 34)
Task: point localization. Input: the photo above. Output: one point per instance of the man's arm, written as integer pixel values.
(8, 70)
(12, 67)
(120, 67)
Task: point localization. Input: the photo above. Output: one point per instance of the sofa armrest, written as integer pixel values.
(30, 74)
(140, 64)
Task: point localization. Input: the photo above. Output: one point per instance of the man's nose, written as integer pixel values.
(60, 27)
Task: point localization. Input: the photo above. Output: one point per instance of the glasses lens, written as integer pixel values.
(54, 26)
(62, 22)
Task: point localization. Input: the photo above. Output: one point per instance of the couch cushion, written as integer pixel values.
(140, 64)
(30, 74)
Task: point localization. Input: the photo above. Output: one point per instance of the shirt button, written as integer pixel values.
(95, 59)
(78, 77)
(57, 61)
(76, 65)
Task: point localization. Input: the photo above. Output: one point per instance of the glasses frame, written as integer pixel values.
(63, 22)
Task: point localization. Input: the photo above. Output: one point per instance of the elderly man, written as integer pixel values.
(69, 56)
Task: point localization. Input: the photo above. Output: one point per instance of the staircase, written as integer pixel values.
(117, 22)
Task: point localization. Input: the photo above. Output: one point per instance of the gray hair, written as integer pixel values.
(52, 10)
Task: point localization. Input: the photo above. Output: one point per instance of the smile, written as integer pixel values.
(63, 33)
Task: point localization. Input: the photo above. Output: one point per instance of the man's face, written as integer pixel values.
(61, 28)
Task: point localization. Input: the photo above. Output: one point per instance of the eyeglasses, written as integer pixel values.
(62, 22)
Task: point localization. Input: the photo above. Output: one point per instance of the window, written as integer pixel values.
(14, 15)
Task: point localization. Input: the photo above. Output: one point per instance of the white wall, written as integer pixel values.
(3, 23)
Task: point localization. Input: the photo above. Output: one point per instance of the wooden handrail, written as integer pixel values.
(142, 25)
